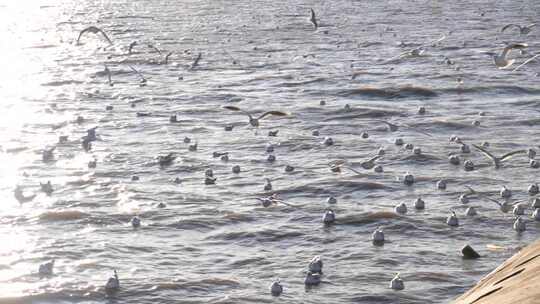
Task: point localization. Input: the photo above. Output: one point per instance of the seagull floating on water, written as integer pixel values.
(46, 269)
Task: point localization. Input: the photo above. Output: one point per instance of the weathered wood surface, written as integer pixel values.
(517, 281)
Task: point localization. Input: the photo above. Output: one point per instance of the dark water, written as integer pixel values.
(216, 243)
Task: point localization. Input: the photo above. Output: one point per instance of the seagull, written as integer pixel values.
(153, 47)
(93, 30)
(504, 206)
(109, 75)
(523, 30)
(336, 165)
(276, 288)
(143, 80)
(316, 265)
(255, 121)
(166, 160)
(393, 127)
(417, 51)
(20, 197)
(313, 18)
(166, 61)
(500, 59)
(196, 62)
(131, 46)
(46, 269)
(47, 187)
(497, 160)
(273, 199)
(113, 284)
(397, 283)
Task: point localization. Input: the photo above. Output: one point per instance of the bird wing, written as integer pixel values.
(138, 73)
(105, 35)
(154, 48)
(509, 26)
(354, 170)
(374, 158)
(531, 25)
(417, 130)
(512, 46)
(167, 57)
(108, 74)
(82, 32)
(526, 61)
(487, 154)
(510, 154)
(337, 162)
(275, 113)
(196, 62)
(313, 18)
(233, 108)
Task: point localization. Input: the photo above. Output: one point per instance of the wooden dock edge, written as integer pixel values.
(517, 280)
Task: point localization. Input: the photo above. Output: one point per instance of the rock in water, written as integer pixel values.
(469, 253)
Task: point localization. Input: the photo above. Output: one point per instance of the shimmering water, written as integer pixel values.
(216, 243)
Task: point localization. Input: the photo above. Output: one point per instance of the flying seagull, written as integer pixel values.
(523, 30)
(255, 121)
(497, 160)
(501, 60)
(93, 30)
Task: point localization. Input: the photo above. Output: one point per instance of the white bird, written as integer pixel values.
(378, 236)
(329, 216)
(113, 284)
(533, 189)
(46, 269)
(519, 209)
(47, 187)
(401, 208)
(408, 179)
(501, 60)
(276, 288)
(397, 283)
(93, 30)
(523, 30)
(419, 204)
(441, 184)
(109, 75)
(268, 185)
(312, 279)
(498, 160)
(505, 192)
(316, 265)
(519, 224)
(452, 220)
(136, 222)
(471, 211)
(391, 127)
(255, 121)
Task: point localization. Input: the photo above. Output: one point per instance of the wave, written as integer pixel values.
(389, 93)
(62, 215)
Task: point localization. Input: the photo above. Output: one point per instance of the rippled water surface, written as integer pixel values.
(216, 243)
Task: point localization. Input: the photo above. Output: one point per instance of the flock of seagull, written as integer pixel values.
(315, 266)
